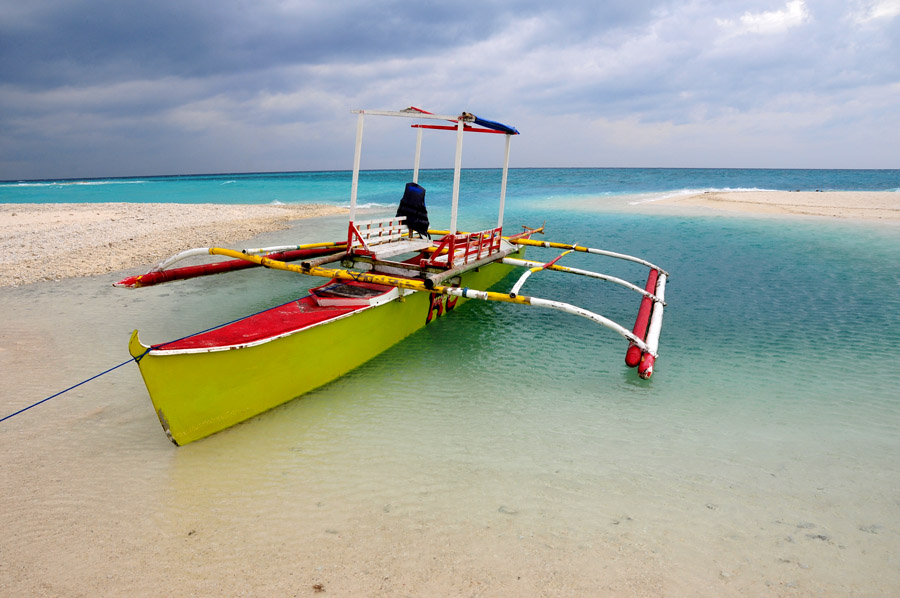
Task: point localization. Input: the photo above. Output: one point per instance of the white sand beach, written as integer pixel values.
(54, 241)
(861, 205)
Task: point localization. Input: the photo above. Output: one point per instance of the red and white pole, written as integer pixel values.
(633, 355)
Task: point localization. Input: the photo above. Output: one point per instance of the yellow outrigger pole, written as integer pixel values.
(416, 285)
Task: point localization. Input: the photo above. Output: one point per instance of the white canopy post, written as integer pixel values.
(456, 170)
(418, 155)
(356, 157)
(503, 182)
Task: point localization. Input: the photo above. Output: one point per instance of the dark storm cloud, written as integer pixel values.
(105, 87)
(53, 43)
(47, 43)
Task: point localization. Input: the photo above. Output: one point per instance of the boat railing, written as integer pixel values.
(460, 249)
(382, 238)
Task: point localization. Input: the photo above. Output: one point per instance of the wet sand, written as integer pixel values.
(858, 205)
(54, 241)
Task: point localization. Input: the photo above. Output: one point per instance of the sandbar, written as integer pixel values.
(857, 205)
(55, 241)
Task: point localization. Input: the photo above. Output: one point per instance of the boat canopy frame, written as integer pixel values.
(463, 124)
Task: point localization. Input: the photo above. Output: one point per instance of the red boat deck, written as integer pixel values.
(283, 319)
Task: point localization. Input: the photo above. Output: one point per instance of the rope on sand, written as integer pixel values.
(137, 360)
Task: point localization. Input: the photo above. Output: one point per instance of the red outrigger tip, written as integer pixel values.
(645, 370)
(633, 355)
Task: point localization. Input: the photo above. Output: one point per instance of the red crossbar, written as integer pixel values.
(466, 128)
(553, 261)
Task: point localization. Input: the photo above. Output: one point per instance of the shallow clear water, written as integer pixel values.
(496, 443)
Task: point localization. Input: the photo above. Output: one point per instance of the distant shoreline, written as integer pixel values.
(263, 173)
(52, 241)
(65, 240)
(879, 206)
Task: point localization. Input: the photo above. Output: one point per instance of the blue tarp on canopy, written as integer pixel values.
(489, 124)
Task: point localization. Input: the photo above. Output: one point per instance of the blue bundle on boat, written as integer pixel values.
(412, 205)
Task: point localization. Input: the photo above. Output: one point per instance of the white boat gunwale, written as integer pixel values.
(161, 351)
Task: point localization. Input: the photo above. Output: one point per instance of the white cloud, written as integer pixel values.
(880, 9)
(771, 22)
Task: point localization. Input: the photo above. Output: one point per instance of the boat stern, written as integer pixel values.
(136, 347)
(138, 351)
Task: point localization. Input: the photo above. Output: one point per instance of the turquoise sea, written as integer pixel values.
(534, 184)
(500, 449)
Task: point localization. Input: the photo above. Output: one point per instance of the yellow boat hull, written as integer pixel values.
(196, 394)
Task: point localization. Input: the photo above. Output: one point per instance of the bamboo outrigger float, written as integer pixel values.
(396, 275)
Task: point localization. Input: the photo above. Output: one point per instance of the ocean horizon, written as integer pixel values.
(332, 186)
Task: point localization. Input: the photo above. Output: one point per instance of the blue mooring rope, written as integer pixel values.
(138, 359)
(70, 388)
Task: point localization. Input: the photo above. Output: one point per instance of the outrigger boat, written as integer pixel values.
(397, 274)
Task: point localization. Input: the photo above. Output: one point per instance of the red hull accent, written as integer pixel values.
(633, 355)
(152, 278)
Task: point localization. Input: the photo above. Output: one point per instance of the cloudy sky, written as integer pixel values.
(92, 88)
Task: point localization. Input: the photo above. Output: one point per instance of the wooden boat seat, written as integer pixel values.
(405, 245)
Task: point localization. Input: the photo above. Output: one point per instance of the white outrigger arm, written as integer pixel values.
(644, 337)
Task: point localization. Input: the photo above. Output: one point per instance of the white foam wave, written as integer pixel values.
(368, 206)
(651, 197)
(70, 183)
